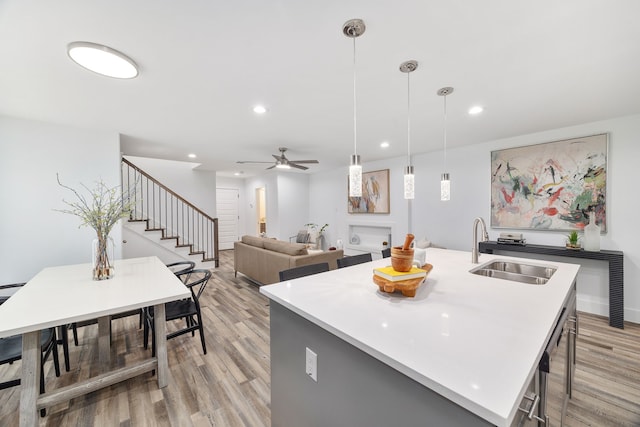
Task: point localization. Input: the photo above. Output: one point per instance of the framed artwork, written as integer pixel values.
(375, 194)
(550, 186)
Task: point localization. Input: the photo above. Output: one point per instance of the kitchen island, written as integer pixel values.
(463, 351)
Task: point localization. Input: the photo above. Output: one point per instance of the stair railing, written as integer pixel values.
(164, 210)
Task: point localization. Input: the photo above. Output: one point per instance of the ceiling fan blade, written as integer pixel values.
(303, 161)
(293, 165)
(250, 161)
(271, 167)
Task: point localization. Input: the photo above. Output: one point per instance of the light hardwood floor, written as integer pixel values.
(230, 385)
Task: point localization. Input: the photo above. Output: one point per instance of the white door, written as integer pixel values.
(227, 209)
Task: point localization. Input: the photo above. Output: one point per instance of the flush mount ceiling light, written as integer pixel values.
(409, 179)
(259, 109)
(102, 60)
(445, 181)
(384, 144)
(476, 110)
(354, 28)
(192, 156)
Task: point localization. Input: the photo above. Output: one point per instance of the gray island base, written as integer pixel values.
(463, 352)
(353, 388)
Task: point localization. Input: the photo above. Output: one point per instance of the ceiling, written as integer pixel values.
(205, 64)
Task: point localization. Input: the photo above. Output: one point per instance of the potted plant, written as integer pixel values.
(316, 235)
(101, 211)
(572, 240)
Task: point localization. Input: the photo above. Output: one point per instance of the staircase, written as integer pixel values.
(162, 210)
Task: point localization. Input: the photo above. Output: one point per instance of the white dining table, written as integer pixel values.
(66, 294)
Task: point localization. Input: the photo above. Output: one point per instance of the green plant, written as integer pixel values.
(315, 226)
(572, 238)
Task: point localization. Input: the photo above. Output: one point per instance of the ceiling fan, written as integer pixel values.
(283, 163)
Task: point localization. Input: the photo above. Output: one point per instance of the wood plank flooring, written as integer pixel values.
(230, 385)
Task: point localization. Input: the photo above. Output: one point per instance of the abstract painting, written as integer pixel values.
(550, 186)
(375, 194)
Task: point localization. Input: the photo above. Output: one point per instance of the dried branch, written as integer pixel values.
(105, 207)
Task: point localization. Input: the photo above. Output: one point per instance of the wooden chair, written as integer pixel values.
(11, 350)
(185, 309)
(304, 270)
(348, 261)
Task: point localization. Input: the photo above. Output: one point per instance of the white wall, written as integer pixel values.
(450, 223)
(293, 203)
(287, 196)
(198, 187)
(34, 236)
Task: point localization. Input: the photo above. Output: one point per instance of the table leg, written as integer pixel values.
(30, 379)
(104, 342)
(160, 327)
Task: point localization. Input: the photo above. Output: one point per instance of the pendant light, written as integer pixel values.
(445, 182)
(354, 28)
(409, 179)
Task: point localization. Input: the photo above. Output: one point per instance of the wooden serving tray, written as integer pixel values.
(408, 287)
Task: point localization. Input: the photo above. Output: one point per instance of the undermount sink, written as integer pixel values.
(523, 273)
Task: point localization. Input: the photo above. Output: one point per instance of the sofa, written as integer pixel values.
(261, 259)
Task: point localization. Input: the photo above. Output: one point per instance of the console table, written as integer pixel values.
(614, 258)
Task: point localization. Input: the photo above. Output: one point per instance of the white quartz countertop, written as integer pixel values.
(473, 339)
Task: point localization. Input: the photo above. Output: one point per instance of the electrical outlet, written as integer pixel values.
(311, 364)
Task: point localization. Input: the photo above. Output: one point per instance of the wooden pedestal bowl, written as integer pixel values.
(408, 287)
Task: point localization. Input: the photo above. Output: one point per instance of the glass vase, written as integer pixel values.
(103, 258)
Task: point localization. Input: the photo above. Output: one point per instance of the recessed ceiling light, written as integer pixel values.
(384, 144)
(102, 60)
(476, 110)
(259, 109)
(192, 156)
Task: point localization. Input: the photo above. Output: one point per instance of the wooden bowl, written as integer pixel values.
(401, 260)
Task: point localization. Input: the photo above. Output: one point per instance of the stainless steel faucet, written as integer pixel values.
(485, 238)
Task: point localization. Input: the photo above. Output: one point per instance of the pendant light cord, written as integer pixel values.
(409, 119)
(445, 133)
(355, 131)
